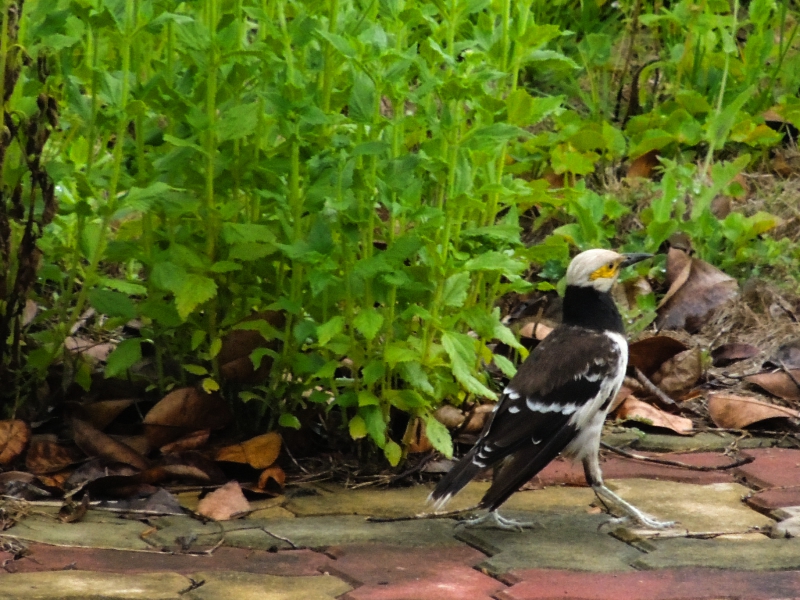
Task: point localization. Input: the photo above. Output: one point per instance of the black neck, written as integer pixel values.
(586, 307)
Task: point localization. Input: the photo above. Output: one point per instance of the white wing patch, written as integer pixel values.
(564, 409)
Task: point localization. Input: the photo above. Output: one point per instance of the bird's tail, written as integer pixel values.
(452, 483)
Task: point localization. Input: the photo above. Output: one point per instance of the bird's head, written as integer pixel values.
(599, 268)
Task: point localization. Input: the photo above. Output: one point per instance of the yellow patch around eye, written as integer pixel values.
(605, 272)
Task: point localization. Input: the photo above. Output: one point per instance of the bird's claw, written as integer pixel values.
(493, 519)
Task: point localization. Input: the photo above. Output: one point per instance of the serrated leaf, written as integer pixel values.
(125, 355)
(195, 290)
(326, 331)
(112, 304)
(367, 398)
(455, 289)
(376, 426)
(373, 371)
(461, 350)
(290, 421)
(505, 365)
(368, 322)
(438, 436)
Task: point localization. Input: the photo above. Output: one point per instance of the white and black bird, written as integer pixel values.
(557, 402)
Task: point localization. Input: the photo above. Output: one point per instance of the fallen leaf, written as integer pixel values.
(272, 480)
(726, 354)
(650, 353)
(29, 312)
(239, 344)
(95, 469)
(535, 330)
(679, 374)
(259, 452)
(477, 418)
(71, 512)
(643, 165)
(225, 503)
(778, 383)
(14, 436)
(735, 412)
(97, 444)
(415, 440)
(623, 393)
(182, 411)
(55, 480)
(45, 455)
(101, 414)
(449, 416)
(635, 410)
(194, 440)
(690, 301)
(96, 351)
(21, 485)
(788, 355)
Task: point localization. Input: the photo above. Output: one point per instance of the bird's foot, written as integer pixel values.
(630, 512)
(493, 519)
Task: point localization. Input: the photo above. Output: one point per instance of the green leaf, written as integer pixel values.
(373, 371)
(290, 421)
(720, 124)
(362, 98)
(376, 426)
(112, 304)
(438, 436)
(367, 398)
(393, 453)
(461, 350)
(195, 290)
(455, 289)
(238, 122)
(195, 370)
(326, 331)
(125, 355)
(397, 353)
(505, 365)
(368, 322)
(358, 428)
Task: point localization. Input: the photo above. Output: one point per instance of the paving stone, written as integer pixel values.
(772, 499)
(334, 500)
(564, 472)
(41, 557)
(389, 572)
(184, 533)
(558, 542)
(94, 531)
(706, 441)
(716, 507)
(766, 555)
(86, 585)
(247, 586)
(788, 528)
(652, 585)
(772, 467)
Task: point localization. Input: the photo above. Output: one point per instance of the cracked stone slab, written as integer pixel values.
(704, 441)
(335, 500)
(772, 467)
(249, 586)
(716, 507)
(557, 542)
(83, 585)
(94, 531)
(185, 533)
(694, 584)
(761, 555)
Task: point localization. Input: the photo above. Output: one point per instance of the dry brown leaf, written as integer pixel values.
(649, 354)
(636, 410)
(55, 480)
(623, 393)
(449, 416)
(225, 503)
(415, 440)
(778, 383)
(97, 468)
(535, 330)
(259, 452)
(735, 412)
(101, 414)
(46, 455)
(97, 444)
(14, 436)
(29, 312)
(688, 303)
(788, 355)
(239, 344)
(477, 418)
(72, 512)
(182, 411)
(194, 440)
(96, 351)
(679, 374)
(272, 480)
(643, 166)
(729, 353)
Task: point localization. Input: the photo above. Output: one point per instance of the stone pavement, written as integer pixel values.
(735, 539)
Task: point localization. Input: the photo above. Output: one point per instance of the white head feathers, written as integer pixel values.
(597, 268)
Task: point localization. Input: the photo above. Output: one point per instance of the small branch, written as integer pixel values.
(653, 388)
(279, 537)
(674, 463)
(424, 516)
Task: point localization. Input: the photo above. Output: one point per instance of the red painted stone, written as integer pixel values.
(563, 472)
(772, 467)
(383, 572)
(286, 562)
(673, 584)
(768, 500)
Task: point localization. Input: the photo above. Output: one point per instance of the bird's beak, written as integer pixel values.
(633, 258)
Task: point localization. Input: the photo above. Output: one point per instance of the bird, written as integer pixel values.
(558, 400)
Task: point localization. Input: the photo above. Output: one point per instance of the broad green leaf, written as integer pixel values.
(368, 322)
(373, 371)
(238, 122)
(358, 428)
(209, 385)
(455, 289)
(112, 304)
(393, 453)
(461, 350)
(438, 436)
(288, 420)
(376, 426)
(362, 98)
(125, 355)
(195, 290)
(505, 365)
(330, 328)
(367, 398)
(396, 353)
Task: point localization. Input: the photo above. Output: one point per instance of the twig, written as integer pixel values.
(293, 459)
(423, 516)
(653, 388)
(279, 537)
(675, 463)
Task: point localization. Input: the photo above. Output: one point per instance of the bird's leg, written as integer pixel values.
(591, 468)
(493, 519)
